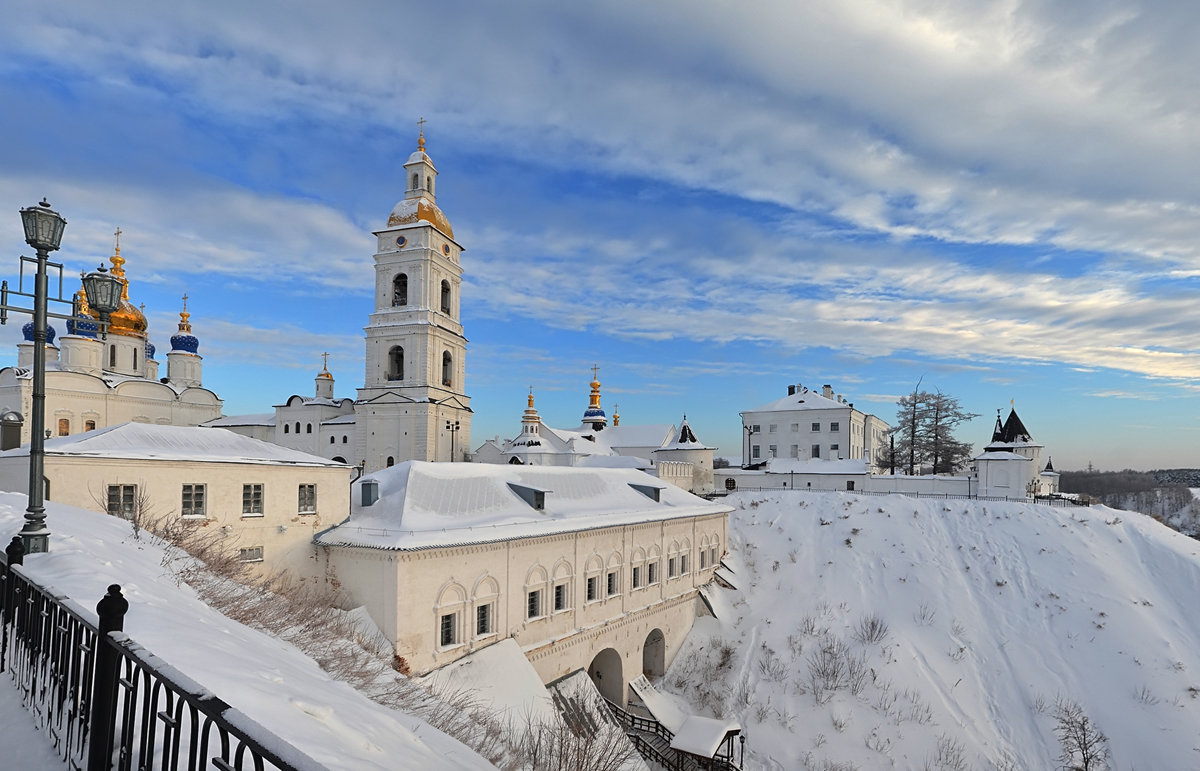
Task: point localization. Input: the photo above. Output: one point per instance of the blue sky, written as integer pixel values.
(706, 202)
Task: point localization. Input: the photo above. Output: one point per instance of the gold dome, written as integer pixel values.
(410, 210)
(126, 320)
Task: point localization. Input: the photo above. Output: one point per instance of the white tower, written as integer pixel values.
(413, 404)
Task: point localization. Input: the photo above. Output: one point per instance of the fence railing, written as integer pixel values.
(102, 699)
(637, 728)
(907, 494)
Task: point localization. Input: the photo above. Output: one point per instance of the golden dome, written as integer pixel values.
(410, 210)
(126, 320)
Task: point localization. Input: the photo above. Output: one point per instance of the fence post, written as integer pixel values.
(15, 551)
(111, 610)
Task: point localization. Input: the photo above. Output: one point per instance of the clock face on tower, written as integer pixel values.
(446, 249)
(401, 241)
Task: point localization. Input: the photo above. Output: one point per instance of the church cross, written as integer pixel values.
(421, 125)
(325, 360)
(118, 235)
(185, 301)
(595, 371)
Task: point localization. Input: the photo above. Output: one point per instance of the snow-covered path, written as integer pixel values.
(25, 747)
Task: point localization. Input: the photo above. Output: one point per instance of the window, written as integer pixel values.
(193, 501)
(448, 634)
(251, 554)
(756, 428)
(849, 484)
(637, 576)
(64, 426)
(755, 451)
(771, 428)
(560, 597)
(112, 356)
(816, 426)
(252, 500)
(483, 620)
(730, 483)
(400, 289)
(307, 499)
(834, 426)
(712, 558)
(593, 588)
(772, 451)
(135, 358)
(308, 428)
(446, 297)
(794, 451)
(297, 426)
(395, 363)
(447, 368)
(343, 440)
(416, 183)
(652, 573)
(816, 450)
(671, 568)
(833, 449)
(285, 428)
(89, 425)
(533, 604)
(391, 461)
(331, 440)
(612, 583)
(703, 558)
(683, 564)
(122, 500)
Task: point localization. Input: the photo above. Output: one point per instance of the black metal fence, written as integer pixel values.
(1050, 501)
(105, 701)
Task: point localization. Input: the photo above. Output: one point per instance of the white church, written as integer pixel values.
(412, 404)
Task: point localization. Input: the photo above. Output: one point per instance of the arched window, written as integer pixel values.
(297, 426)
(395, 363)
(730, 483)
(446, 297)
(391, 461)
(331, 440)
(64, 426)
(135, 358)
(400, 289)
(416, 183)
(112, 356)
(429, 184)
(447, 369)
(285, 428)
(308, 428)
(343, 439)
(484, 598)
(449, 615)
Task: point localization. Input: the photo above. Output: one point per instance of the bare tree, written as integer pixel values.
(1084, 747)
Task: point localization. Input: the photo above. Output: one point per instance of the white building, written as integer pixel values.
(413, 402)
(1010, 464)
(675, 456)
(585, 568)
(93, 382)
(268, 501)
(807, 425)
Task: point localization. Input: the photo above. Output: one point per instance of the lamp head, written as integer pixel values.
(43, 226)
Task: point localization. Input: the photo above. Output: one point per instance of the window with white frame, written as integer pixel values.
(251, 554)
(533, 604)
(192, 505)
(122, 500)
(484, 619)
(771, 428)
(834, 426)
(252, 500)
(593, 588)
(611, 583)
(672, 567)
(816, 426)
(755, 452)
(561, 586)
(560, 597)
(593, 571)
(833, 450)
(703, 558)
(816, 450)
(652, 572)
(483, 598)
(637, 576)
(449, 611)
(307, 499)
(448, 630)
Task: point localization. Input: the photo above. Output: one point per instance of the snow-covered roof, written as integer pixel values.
(614, 461)
(808, 400)
(347, 419)
(146, 441)
(426, 505)
(703, 735)
(258, 419)
(1001, 455)
(644, 435)
(684, 439)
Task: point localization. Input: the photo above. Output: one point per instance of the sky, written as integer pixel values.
(998, 199)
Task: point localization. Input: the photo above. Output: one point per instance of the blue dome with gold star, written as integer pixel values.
(27, 333)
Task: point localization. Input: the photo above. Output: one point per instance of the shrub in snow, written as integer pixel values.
(1083, 746)
(871, 630)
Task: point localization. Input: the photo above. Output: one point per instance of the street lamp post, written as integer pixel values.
(452, 427)
(43, 231)
(747, 460)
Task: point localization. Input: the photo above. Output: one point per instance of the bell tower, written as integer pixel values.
(413, 403)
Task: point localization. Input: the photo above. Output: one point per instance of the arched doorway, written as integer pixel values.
(10, 430)
(654, 654)
(605, 671)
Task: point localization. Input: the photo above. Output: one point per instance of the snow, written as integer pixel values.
(702, 735)
(501, 679)
(993, 611)
(257, 419)
(808, 400)
(425, 505)
(25, 747)
(268, 680)
(141, 441)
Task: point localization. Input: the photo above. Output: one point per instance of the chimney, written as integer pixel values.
(791, 390)
(827, 391)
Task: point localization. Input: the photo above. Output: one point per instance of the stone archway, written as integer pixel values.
(654, 654)
(605, 671)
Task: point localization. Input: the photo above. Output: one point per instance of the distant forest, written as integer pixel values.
(1163, 494)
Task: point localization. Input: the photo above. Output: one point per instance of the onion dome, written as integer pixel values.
(410, 210)
(594, 414)
(85, 327)
(150, 349)
(127, 319)
(184, 341)
(27, 333)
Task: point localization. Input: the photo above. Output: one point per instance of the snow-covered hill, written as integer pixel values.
(886, 632)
